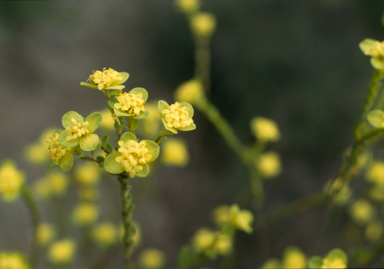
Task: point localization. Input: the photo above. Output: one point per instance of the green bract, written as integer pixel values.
(375, 49)
(79, 131)
(132, 156)
(177, 117)
(376, 118)
(130, 104)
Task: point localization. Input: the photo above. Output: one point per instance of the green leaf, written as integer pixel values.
(134, 123)
(171, 130)
(70, 143)
(187, 257)
(105, 140)
(109, 147)
(164, 138)
(188, 107)
(142, 115)
(162, 105)
(100, 158)
(376, 118)
(121, 113)
(89, 142)
(119, 127)
(315, 262)
(112, 102)
(188, 128)
(377, 63)
(52, 163)
(117, 92)
(144, 172)
(110, 164)
(89, 85)
(153, 148)
(142, 91)
(128, 136)
(77, 150)
(118, 87)
(66, 120)
(94, 120)
(86, 159)
(366, 45)
(125, 76)
(66, 162)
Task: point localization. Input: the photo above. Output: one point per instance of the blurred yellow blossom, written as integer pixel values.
(241, 219)
(203, 239)
(13, 260)
(362, 211)
(374, 231)
(203, 24)
(105, 234)
(336, 258)
(151, 258)
(343, 191)
(375, 49)
(223, 244)
(87, 173)
(107, 121)
(377, 193)
(45, 233)
(293, 257)
(375, 173)
(272, 264)
(265, 129)
(61, 251)
(188, 6)
(11, 181)
(190, 91)
(85, 214)
(54, 183)
(175, 153)
(36, 153)
(221, 215)
(269, 164)
(88, 193)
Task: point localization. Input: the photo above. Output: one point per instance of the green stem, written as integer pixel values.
(128, 207)
(203, 61)
(35, 216)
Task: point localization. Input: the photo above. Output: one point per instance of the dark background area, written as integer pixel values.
(297, 62)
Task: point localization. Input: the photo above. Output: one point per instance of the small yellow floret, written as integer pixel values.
(374, 231)
(188, 6)
(85, 214)
(177, 116)
(175, 153)
(11, 181)
(223, 244)
(133, 156)
(241, 219)
(13, 261)
(362, 211)
(190, 92)
(293, 257)
(45, 233)
(105, 234)
(107, 121)
(376, 173)
(265, 129)
(203, 239)
(87, 173)
(333, 264)
(77, 130)
(269, 165)
(151, 258)
(61, 251)
(376, 50)
(57, 151)
(203, 24)
(131, 103)
(221, 215)
(105, 78)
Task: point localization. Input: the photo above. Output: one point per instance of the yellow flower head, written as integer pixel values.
(53, 184)
(241, 219)
(87, 174)
(190, 91)
(151, 258)
(375, 49)
(131, 103)
(362, 211)
(45, 233)
(108, 79)
(374, 231)
(336, 258)
(188, 6)
(175, 153)
(203, 24)
(85, 214)
(221, 215)
(60, 155)
(13, 260)
(223, 244)
(107, 121)
(11, 181)
(376, 173)
(203, 239)
(333, 264)
(105, 234)
(177, 116)
(293, 257)
(269, 164)
(61, 251)
(264, 129)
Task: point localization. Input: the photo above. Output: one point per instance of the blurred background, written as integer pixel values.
(296, 62)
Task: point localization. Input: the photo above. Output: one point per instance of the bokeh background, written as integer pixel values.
(296, 61)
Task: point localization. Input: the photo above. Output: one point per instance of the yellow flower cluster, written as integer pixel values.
(264, 129)
(269, 164)
(131, 103)
(133, 156)
(374, 231)
(190, 91)
(333, 264)
(62, 251)
(175, 153)
(362, 211)
(36, 152)
(11, 181)
(78, 130)
(87, 174)
(203, 24)
(9, 260)
(188, 6)
(293, 257)
(57, 151)
(45, 233)
(53, 184)
(151, 258)
(233, 216)
(177, 116)
(105, 78)
(104, 234)
(205, 239)
(376, 173)
(85, 214)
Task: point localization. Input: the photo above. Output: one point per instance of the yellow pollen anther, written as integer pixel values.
(131, 103)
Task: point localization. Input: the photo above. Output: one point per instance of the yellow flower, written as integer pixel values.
(264, 129)
(377, 193)
(221, 215)
(203, 24)
(13, 260)
(333, 264)
(376, 173)
(336, 258)
(105, 234)
(293, 257)
(203, 239)
(374, 231)
(60, 155)
(45, 233)
(223, 244)
(272, 264)
(190, 92)
(36, 153)
(269, 165)
(53, 184)
(362, 211)
(85, 214)
(108, 79)
(241, 219)
(107, 121)
(151, 258)
(11, 181)
(61, 251)
(344, 192)
(177, 116)
(375, 49)
(175, 153)
(87, 173)
(188, 6)
(131, 104)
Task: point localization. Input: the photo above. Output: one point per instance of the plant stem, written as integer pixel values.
(128, 207)
(203, 61)
(105, 150)
(35, 216)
